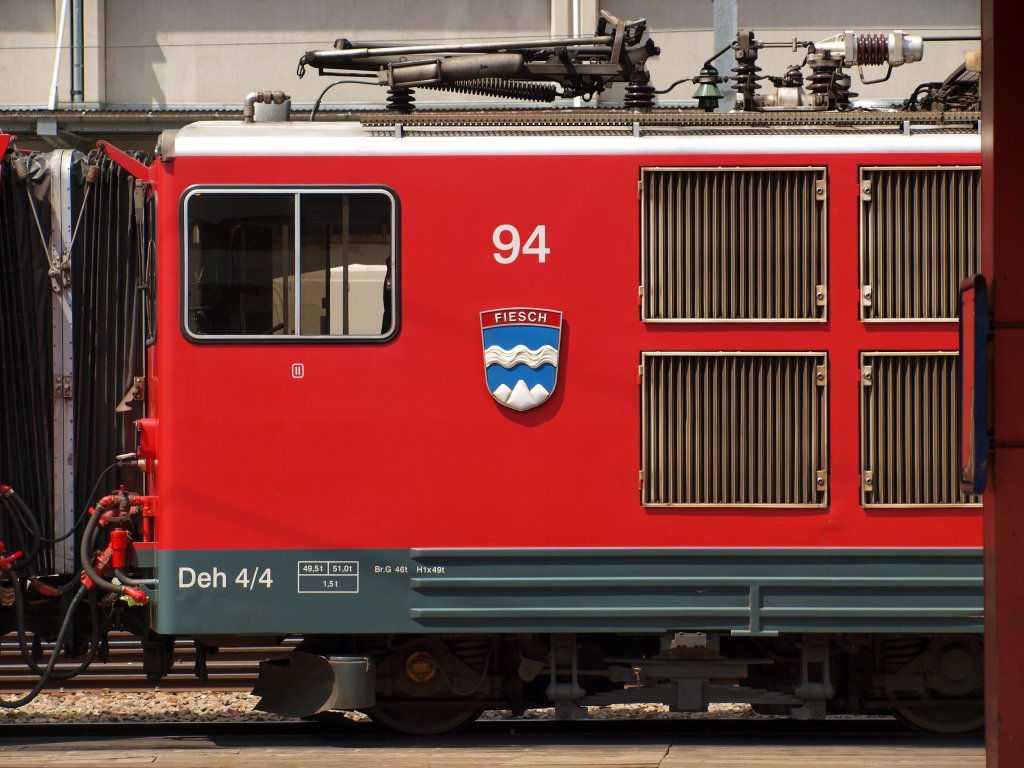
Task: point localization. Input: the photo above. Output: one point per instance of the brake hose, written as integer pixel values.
(86, 553)
(22, 517)
(88, 497)
(94, 636)
(44, 678)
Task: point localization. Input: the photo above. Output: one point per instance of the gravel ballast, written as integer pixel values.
(198, 706)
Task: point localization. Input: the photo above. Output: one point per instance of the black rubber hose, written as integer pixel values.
(320, 98)
(29, 521)
(912, 101)
(86, 549)
(14, 531)
(68, 586)
(87, 545)
(23, 515)
(26, 654)
(89, 497)
(44, 678)
(21, 539)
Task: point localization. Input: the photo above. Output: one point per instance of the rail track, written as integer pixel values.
(228, 669)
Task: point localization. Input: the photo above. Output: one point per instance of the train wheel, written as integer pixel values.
(952, 676)
(955, 717)
(433, 680)
(424, 718)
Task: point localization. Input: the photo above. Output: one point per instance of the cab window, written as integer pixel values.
(244, 249)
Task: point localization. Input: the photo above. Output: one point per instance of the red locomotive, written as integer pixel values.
(505, 409)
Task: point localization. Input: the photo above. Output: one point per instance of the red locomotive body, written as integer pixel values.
(414, 451)
(419, 504)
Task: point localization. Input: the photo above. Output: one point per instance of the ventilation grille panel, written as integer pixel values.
(920, 235)
(734, 244)
(735, 429)
(909, 431)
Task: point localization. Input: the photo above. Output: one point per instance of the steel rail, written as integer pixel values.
(228, 669)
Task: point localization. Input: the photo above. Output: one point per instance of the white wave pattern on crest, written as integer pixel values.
(519, 354)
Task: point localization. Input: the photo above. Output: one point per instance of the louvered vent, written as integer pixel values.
(920, 235)
(908, 436)
(735, 429)
(734, 244)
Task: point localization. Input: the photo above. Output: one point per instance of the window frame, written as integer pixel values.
(294, 190)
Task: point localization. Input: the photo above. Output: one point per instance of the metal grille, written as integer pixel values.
(827, 122)
(920, 236)
(735, 429)
(908, 439)
(743, 244)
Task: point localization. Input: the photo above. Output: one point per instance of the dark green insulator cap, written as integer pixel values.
(707, 93)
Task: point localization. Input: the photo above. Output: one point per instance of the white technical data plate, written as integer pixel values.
(328, 577)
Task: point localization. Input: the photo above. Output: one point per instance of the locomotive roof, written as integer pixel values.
(392, 135)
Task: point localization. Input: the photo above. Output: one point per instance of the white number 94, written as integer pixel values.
(508, 242)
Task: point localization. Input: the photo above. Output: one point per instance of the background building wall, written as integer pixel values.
(27, 42)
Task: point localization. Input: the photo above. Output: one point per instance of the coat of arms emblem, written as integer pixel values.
(521, 354)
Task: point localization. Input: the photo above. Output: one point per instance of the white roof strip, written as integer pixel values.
(230, 139)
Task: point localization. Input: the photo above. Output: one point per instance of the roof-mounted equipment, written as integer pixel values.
(528, 70)
(828, 86)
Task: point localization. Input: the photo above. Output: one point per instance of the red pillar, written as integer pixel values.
(1003, 265)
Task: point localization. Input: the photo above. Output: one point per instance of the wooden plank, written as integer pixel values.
(182, 753)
